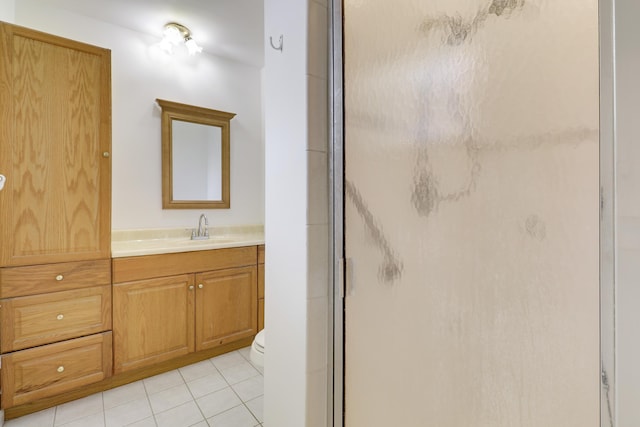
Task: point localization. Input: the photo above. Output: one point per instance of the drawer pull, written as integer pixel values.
(59, 277)
(60, 369)
(200, 286)
(60, 316)
(190, 287)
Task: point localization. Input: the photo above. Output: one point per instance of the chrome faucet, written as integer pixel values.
(202, 232)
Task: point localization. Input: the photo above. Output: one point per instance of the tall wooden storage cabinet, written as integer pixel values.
(55, 140)
(55, 226)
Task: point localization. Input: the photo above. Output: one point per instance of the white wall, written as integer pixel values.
(7, 10)
(628, 211)
(296, 220)
(140, 74)
(285, 230)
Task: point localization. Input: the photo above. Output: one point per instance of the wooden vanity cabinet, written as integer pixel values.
(260, 287)
(166, 306)
(55, 323)
(55, 214)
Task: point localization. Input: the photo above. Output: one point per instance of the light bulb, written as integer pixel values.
(166, 46)
(175, 34)
(192, 46)
(172, 35)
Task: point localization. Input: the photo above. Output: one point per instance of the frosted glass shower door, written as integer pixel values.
(472, 213)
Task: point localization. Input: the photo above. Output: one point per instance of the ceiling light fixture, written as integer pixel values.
(174, 34)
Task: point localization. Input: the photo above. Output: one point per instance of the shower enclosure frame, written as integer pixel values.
(606, 24)
(335, 398)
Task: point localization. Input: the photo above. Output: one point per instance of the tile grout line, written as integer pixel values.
(186, 383)
(243, 403)
(229, 385)
(104, 411)
(55, 415)
(146, 393)
(241, 400)
(262, 395)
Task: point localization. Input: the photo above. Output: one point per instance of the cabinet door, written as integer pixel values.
(226, 306)
(152, 321)
(55, 139)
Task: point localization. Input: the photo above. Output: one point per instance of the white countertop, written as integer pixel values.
(126, 243)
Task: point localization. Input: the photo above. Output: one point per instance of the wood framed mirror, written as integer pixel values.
(195, 156)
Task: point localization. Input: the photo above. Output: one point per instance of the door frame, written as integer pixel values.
(606, 26)
(335, 399)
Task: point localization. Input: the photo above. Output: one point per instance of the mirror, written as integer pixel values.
(195, 157)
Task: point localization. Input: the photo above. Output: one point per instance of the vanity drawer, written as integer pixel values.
(43, 319)
(129, 269)
(40, 372)
(37, 279)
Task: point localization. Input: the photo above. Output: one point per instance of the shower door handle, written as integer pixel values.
(345, 267)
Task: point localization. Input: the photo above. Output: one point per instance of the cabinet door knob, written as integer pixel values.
(60, 368)
(106, 154)
(200, 286)
(60, 316)
(59, 277)
(191, 287)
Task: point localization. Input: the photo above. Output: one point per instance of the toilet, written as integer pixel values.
(257, 350)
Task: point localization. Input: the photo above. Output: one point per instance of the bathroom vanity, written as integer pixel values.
(55, 272)
(170, 305)
(84, 309)
(176, 300)
(163, 301)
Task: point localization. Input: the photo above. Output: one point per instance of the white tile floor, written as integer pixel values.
(225, 391)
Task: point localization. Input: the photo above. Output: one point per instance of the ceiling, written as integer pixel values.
(229, 28)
